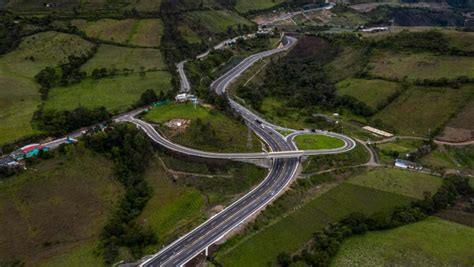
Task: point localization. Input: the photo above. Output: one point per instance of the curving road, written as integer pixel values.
(284, 166)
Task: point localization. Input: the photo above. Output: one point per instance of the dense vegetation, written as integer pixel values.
(130, 151)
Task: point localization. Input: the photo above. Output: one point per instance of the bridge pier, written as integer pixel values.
(206, 251)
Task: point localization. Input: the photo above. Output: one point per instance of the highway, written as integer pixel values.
(285, 162)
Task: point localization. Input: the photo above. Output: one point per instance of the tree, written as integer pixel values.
(148, 97)
(284, 259)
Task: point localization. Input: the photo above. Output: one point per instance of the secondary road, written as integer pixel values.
(281, 174)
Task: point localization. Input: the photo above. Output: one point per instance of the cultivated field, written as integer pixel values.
(406, 183)
(421, 66)
(117, 57)
(311, 141)
(431, 242)
(215, 132)
(116, 93)
(421, 109)
(371, 92)
(19, 95)
(291, 232)
(247, 5)
(145, 32)
(461, 127)
(56, 209)
(215, 21)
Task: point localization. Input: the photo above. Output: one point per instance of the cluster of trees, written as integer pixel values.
(55, 122)
(301, 80)
(444, 82)
(10, 32)
(131, 152)
(326, 243)
(66, 74)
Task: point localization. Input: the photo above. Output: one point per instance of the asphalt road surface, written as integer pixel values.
(282, 172)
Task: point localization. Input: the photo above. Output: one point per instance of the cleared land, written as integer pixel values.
(291, 232)
(431, 242)
(116, 93)
(371, 92)
(420, 109)
(215, 21)
(421, 66)
(461, 127)
(120, 58)
(406, 183)
(56, 209)
(144, 32)
(247, 5)
(208, 130)
(19, 96)
(313, 141)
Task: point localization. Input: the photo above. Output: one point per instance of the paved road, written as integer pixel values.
(184, 84)
(282, 172)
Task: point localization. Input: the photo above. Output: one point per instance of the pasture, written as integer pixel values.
(420, 110)
(420, 66)
(19, 95)
(371, 92)
(216, 21)
(56, 208)
(116, 93)
(120, 58)
(247, 5)
(138, 32)
(431, 242)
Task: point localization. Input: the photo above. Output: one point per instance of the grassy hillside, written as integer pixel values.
(420, 109)
(371, 92)
(56, 209)
(450, 158)
(291, 232)
(431, 242)
(117, 57)
(215, 21)
(247, 5)
(19, 94)
(140, 32)
(116, 93)
(84, 6)
(209, 129)
(421, 66)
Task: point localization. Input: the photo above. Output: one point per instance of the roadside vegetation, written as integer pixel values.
(204, 128)
(309, 206)
(314, 142)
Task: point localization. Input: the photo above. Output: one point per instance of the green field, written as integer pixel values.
(19, 96)
(172, 208)
(293, 231)
(450, 158)
(348, 63)
(144, 32)
(117, 57)
(421, 66)
(247, 5)
(313, 142)
(85, 6)
(420, 109)
(188, 34)
(406, 183)
(371, 92)
(116, 93)
(431, 242)
(215, 21)
(217, 132)
(55, 209)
